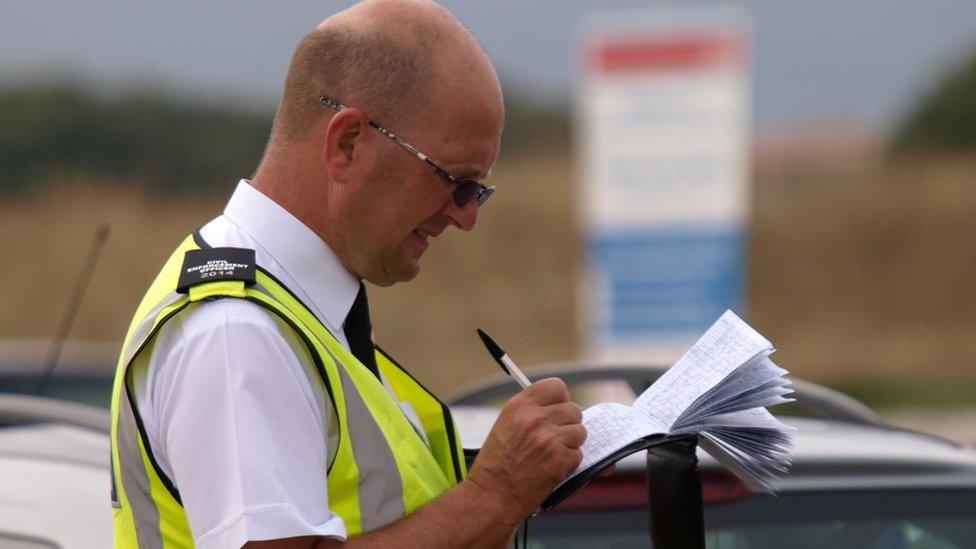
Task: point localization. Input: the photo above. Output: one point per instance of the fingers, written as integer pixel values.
(534, 444)
(572, 436)
(574, 457)
(557, 411)
(564, 413)
(547, 391)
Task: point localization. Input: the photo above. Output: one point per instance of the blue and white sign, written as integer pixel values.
(663, 141)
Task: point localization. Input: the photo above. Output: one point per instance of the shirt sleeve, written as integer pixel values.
(241, 426)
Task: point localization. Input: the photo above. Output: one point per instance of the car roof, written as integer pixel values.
(844, 455)
(847, 447)
(29, 409)
(814, 399)
(828, 455)
(54, 469)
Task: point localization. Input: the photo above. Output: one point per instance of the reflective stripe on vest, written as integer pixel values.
(382, 470)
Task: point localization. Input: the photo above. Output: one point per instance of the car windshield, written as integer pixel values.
(585, 392)
(588, 387)
(909, 519)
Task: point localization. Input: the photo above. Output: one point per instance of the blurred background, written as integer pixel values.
(861, 232)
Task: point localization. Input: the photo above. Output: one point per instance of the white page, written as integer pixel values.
(769, 397)
(610, 427)
(731, 390)
(760, 446)
(758, 480)
(719, 389)
(728, 344)
(754, 373)
(757, 418)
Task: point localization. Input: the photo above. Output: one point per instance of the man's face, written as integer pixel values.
(403, 204)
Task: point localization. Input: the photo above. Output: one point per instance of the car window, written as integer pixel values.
(899, 534)
(93, 390)
(905, 519)
(9, 540)
(583, 392)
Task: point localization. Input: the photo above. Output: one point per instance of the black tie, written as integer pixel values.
(359, 331)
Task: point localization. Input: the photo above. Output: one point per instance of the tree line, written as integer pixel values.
(943, 119)
(177, 146)
(165, 144)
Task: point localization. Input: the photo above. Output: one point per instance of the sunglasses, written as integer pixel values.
(464, 189)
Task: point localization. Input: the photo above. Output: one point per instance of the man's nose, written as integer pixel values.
(463, 217)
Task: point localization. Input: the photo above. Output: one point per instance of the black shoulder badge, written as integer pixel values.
(215, 264)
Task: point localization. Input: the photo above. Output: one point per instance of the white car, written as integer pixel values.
(54, 474)
(856, 483)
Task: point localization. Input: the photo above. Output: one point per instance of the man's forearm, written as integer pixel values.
(534, 444)
(465, 516)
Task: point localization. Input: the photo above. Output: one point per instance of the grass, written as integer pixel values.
(898, 392)
(866, 275)
(862, 277)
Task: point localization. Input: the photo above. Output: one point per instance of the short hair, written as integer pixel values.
(376, 71)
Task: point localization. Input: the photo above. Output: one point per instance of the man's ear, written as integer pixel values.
(344, 148)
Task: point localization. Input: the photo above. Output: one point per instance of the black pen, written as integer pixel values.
(502, 359)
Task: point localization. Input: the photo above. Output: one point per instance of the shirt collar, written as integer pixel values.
(300, 252)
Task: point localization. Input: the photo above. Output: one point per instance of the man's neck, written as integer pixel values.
(303, 193)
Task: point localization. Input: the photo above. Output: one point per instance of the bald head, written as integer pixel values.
(387, 57)
(412, 67)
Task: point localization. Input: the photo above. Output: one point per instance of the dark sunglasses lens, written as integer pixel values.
(485, 193)
(466, 190)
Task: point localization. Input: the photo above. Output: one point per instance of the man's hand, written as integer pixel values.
(533, 445)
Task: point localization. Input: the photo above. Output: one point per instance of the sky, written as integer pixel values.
(836, 60)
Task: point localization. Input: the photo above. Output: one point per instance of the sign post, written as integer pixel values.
(663, 141)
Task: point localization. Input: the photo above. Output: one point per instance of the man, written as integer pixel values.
(250, 408)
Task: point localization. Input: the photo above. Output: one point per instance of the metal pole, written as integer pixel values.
(674, 495)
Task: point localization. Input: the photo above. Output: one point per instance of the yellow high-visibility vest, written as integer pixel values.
(382, 469)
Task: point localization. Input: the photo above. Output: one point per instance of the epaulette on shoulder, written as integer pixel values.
(216, 264)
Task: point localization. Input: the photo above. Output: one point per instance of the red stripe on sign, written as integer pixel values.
(665, 53)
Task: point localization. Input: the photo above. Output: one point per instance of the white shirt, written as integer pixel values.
(225, 393)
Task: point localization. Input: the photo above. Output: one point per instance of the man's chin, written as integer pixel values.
(410, 272)
(399, 273)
